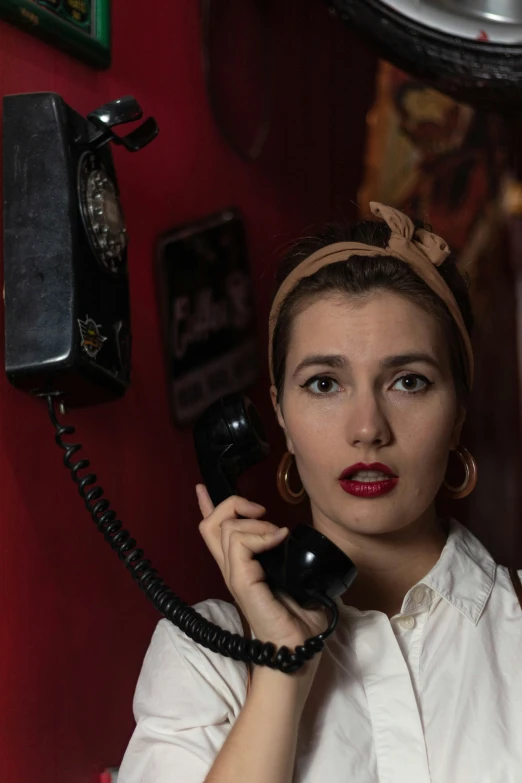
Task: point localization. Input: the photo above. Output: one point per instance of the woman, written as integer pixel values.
(371, 368)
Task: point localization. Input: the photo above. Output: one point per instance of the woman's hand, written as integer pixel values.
(233, 542)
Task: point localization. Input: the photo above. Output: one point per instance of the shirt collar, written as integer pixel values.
(464, 574)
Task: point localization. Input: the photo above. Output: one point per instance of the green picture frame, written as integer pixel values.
(80, 27)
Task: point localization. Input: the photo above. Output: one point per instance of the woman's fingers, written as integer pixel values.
(255, 526)
(213, 519)
(235, 532)
(206, 506)
(230, 508)
(241, 548)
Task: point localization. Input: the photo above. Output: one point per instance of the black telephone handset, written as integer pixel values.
(229, 438)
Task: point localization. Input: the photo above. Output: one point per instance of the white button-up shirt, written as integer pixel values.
(432, 695)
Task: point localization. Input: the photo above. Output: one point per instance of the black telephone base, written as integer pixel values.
(67, 311)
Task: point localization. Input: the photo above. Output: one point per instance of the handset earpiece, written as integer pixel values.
(229, 438)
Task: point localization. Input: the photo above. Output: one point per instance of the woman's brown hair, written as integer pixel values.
(361, 276)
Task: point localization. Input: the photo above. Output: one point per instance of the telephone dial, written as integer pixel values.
(67, 340)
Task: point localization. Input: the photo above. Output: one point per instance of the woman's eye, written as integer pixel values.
(322, 385)
(412, 383)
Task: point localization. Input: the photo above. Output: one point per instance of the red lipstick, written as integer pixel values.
(368, 489)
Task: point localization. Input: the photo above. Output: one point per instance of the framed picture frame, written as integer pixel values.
(206, 302)
(81, 28)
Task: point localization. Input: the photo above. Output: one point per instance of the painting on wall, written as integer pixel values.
(79, 27)
(439, 160)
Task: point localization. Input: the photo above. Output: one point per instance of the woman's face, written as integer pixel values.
(369, 381)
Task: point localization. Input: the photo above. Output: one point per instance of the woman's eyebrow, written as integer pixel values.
(330, 360)
(337, 361)
(409, 358)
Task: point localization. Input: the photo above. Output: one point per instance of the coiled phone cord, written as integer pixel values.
(191, 622)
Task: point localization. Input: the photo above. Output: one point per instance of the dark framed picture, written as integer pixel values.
(80, 27)
(205, 294)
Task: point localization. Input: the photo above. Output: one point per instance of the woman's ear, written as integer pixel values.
(280, 419)
(457, 429)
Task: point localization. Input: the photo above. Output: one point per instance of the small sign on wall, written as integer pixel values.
(207, 312)
(79, 27)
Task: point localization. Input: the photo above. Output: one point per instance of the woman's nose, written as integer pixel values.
(367, 423)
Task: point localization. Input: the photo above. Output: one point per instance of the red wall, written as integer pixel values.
(74, 628)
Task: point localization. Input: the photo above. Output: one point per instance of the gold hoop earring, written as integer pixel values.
(470, 477)
(283, 481)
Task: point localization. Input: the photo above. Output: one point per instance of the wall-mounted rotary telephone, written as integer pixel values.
(67, 315)
(67, 335)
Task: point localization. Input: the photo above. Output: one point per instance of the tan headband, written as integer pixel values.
(420, 249)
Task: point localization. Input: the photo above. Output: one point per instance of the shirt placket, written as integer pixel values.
(398, 736)
(409, 631)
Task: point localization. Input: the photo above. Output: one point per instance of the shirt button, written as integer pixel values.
(407, 622)
(419, 594)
